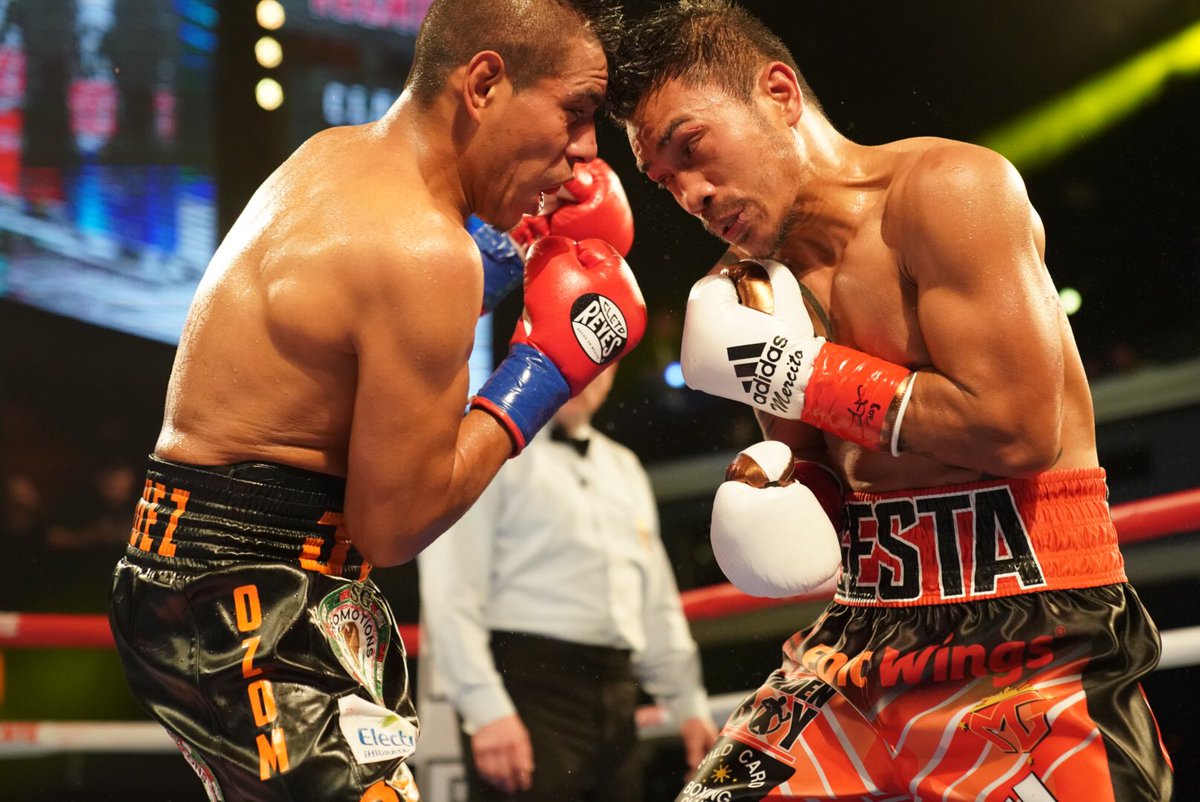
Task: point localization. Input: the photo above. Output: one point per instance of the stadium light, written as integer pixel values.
(270, 14)
(268, 52)
(269, 94)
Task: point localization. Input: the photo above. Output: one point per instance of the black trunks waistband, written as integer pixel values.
(191, 516)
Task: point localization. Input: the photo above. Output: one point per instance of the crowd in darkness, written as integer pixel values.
(65, 512)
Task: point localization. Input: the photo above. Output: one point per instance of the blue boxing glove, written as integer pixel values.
(503, 262)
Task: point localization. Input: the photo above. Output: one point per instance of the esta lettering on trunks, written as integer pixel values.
(956, 545)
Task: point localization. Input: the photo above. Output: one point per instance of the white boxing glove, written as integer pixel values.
(770, 534)
(748, 338)
(758, 348)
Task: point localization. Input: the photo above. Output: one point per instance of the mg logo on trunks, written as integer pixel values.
(1013, 720)
(758, 365)
(358, 628)
(953, 546)
(599, 327)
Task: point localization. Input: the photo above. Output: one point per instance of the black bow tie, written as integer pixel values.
(559, 435)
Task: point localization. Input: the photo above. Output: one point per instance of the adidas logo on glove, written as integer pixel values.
(757, 364)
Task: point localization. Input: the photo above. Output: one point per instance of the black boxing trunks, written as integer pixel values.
(983, 645)
(248, 628)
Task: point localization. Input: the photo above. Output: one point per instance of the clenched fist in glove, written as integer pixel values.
(772, 360)
(583, 311)
(772, 532)
(592, 205)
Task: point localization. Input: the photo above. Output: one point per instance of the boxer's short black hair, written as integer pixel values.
(528, 34)
(699, 42)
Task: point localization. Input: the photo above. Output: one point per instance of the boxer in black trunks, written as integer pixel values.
(907, 346)
(241, 576)
(314, 420)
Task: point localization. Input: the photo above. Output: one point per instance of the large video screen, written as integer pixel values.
(345, 61)
(107, 201)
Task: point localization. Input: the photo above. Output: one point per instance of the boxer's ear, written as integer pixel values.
(779, 85)
(483, 75)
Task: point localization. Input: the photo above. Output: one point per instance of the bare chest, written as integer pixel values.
(865, 301)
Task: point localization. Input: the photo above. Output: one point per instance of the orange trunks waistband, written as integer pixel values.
(978, 541)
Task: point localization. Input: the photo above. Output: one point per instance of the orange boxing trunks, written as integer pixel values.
(983, 645)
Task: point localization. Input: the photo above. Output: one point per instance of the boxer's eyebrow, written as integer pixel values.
(665, 139)
(593, 96)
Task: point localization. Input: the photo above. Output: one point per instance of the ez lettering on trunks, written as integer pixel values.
(891, 545)
(146, 516)
(272, 751)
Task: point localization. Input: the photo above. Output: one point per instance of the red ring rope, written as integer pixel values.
(1136, 521)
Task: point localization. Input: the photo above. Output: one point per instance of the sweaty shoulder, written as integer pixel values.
(371, 219)
(947, 191)
(424, 267)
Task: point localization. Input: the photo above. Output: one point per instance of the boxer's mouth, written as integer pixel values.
(731, 227)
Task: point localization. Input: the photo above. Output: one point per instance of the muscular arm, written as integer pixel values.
(992, 399)
(416, 462)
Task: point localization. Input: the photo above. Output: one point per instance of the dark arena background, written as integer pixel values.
(132, 132)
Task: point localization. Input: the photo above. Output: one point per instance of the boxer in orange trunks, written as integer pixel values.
(930, 455)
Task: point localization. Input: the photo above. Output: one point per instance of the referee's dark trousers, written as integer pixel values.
(578, 704)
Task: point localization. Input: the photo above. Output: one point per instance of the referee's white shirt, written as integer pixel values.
(565, 546)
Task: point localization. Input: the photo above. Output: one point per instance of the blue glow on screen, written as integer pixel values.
(107, 193)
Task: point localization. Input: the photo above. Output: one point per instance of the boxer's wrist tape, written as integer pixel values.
(850, 394)
(523, 393)
(503, 263)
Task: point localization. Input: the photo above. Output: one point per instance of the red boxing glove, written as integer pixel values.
(826, 486)
(583, 307)
(599, 209)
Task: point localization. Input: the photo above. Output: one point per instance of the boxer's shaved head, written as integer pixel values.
(700, 43)
(528, 34)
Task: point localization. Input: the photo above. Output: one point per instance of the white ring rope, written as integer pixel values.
(1180, 648)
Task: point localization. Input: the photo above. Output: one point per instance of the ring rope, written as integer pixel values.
(1137, 521)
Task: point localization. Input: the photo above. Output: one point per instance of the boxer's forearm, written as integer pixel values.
(992, 430)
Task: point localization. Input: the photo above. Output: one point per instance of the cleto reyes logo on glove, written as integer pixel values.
(758, 365)
(599, 327)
